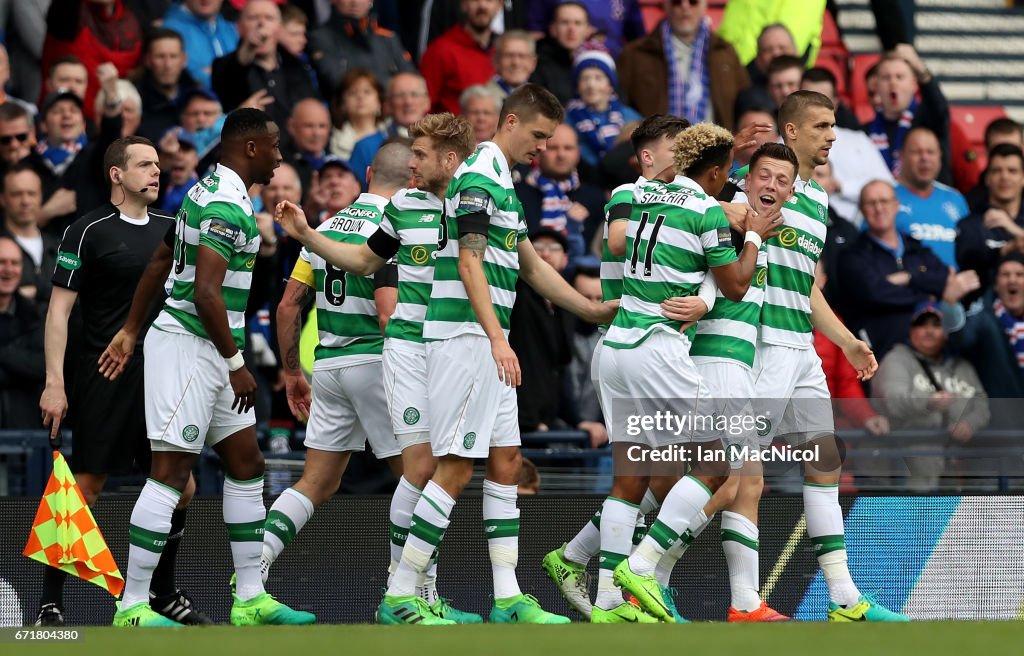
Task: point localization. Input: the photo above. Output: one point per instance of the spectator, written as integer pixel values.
(682, 69)
(131, 106)
(982, 239)
(582, 395)
(149, 13)
(747, 117)
(901, 75)
(991, 335)
(5, 77)
(22, 368)
(69, 158)
(929, 210)
(331, 190)
(515, 60)
(284, 185)
(260, 71)
(202, 117)
(181, 174)
(309, 128)
(744, 21)
(529, 479)
(17, 143)
(351, 39)
(357, 107)
(1000, 130)
(68, 73)
(920, 386)
(540, 334)
(554, 198)
(164, 83)
(614, 23)
(840, 235)
(570, 27)
(294, 24)
(783, 77)
(22, 200)
(207, 35)
(823, 81)
(461, 57)
(481, 106)
(852, 408)
(774, 40)
(407, 102)
(97, 32)
(596, 113)
(885, 274)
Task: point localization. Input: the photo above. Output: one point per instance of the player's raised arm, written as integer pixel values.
(357, 259)
(551, 285)
(117, 354)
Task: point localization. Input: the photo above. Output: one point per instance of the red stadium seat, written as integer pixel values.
(973, 119)
(859, 88)
(967, 125)
(653, 11)
(835, 60)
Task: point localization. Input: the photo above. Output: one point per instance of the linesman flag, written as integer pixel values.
(64, 534)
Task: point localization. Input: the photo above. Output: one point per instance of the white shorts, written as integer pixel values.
(595, 380)
(349, 410)
(792, 393)
(731, 386)
(470, 409)
(633, 381)
(188, 394)
(405, 385)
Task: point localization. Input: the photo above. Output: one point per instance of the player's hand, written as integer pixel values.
(860, 355)
(507, 362)
(291, 218)
(54, 406)
(961, 432)
(298, 394)
(115, 357)
(877, 425)
(602, 312)
(737, 214)
(746, 140)
(244, 387)
(767, 225)
(684, 308)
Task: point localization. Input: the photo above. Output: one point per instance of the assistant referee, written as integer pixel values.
(101, 258)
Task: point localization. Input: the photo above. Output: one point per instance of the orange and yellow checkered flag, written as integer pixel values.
(64, 533)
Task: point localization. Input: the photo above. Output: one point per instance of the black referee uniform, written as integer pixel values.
(102, 257)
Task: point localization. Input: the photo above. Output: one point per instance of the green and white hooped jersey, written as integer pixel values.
(729, 331)
(413, 217)
(675, 234)
(482, 183)
(346, 313)
(792, 256)
(611, 265)
(218, 213)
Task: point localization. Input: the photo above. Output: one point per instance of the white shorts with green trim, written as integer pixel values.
(731, 385)
(792, 393)
(349, 409)
(470, 409)
(405, 385)
(188, 394)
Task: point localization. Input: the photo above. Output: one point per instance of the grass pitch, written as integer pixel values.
(819, 639)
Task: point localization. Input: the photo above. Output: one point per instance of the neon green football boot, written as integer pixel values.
(264, 609)
(646, 590)
(626, 612)
(571, 579)
(141, 615)
(408, 610)
(523, 609)
(443, 608)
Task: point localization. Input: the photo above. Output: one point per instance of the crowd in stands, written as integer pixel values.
(931, 275)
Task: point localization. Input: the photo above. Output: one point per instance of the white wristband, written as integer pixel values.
(753, 238)
(235, 362)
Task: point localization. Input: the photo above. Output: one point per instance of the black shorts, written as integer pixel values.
(108, 422)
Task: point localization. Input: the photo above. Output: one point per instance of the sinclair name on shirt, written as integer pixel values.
(675, 197)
